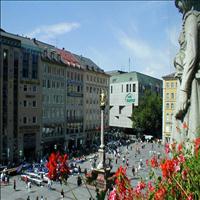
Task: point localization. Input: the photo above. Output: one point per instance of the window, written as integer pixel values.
(25, 88)
(34, 66)
(48, 84)
(126, 87)
(25, 120)
(34, 120)
(133, 88)
(167, 85)
(34, 88)
(172, 95)
(122, 88)
(167, 128)
(167, 117)
(167, 105)
(172, 106)
(167, 96)
(34, 104)
(111, 89)
(44, 83)
(25, 68)
(129, 87)
(25, 103)
(172, 85)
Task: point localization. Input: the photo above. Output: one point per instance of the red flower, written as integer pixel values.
(196, 145)
(180, 148)
(190, 197)
(167, 168)
(184, 174)
(181, 158)
(154, 162)
(123, 186)
(160, 194)
(150, 187)
(57, 165)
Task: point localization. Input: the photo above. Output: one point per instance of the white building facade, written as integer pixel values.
(126, 90)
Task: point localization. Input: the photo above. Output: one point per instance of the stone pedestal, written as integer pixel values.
(102, 178)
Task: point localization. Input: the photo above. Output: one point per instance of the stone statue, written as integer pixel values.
(102, 99)
(187, 64)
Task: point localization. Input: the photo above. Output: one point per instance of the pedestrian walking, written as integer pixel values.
(133, 170)
(79, 169)
(123, 159)
(26, 180)
(79, 181)
(29, 186)
(14, 186)
(28, 198)
(85, 171)
(60, 180)
(62, 193)
(49, 183)
(127, 162)
(41, 198)
(6, 180)
(37, 198)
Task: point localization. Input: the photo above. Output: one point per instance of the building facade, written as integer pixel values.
(169, 105)
(49, 99)
(126, 91)
(21, 98)
(95, 80)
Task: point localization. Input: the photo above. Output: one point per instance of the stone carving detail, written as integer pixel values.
(187, 64)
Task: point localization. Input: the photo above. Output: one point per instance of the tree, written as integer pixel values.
(147, 117)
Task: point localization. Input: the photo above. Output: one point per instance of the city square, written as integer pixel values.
(99, 104)
(81, 192)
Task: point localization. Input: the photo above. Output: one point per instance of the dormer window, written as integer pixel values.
(45, 52)
(59, 57)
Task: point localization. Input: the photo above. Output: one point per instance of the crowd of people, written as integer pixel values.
(129, 155)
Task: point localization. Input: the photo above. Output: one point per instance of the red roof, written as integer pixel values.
(68, 57)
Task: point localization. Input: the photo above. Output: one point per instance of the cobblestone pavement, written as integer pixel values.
(81, 192)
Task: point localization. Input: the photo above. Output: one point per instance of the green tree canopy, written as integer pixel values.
(147, 117)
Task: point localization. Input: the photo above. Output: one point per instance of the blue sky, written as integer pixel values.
(108, 32)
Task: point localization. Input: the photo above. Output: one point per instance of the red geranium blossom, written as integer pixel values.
(154, 162)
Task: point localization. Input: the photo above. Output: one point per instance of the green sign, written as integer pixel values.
(129, 98)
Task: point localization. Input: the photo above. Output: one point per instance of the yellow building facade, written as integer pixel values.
(169, 104)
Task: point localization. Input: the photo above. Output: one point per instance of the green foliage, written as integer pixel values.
(147, 117)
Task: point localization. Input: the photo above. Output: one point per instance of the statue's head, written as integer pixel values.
(183, 5)
(186, 5)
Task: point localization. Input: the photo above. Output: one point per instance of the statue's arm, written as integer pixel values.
(191, 37)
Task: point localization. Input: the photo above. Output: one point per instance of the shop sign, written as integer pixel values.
(130, 98)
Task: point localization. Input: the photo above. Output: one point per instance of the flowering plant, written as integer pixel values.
(180, 178)
(57, 166)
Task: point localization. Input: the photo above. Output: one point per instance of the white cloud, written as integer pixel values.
(48, 32)
(152, 61)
